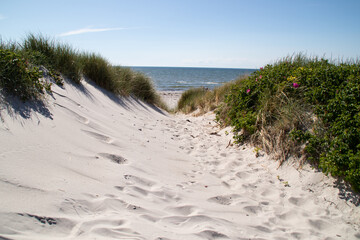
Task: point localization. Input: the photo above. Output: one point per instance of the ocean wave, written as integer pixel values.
(211, 83)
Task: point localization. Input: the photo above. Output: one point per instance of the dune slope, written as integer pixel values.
(89, 165)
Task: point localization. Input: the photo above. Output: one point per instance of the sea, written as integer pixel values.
(183, 78)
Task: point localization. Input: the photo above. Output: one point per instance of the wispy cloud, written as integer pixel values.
(89, 30)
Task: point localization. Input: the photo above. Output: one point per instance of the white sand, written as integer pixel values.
(91, 166)
(171, 98)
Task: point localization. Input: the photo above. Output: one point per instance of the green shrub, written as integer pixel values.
(302, 101)
(19, 77)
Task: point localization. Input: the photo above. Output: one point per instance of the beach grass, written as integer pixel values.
(205, 100)
(99, 70)
(54, 55)
(62, 59)
(189, 100)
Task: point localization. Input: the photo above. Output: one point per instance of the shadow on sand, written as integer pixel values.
(346, 193)
(121, 100)
(16, 108)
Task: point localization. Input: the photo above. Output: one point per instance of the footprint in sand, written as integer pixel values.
(166, 196)
(297, 235)
(249, 186)
(262, 229)
(242, 175)
(226, 184)
(289, 215)
(150, 218)
(297, 201)
(99, 136)
(140, 190)
(120, 188)
(319, 224)
(35, 222)
(142, 181)
(225, 199)
(43, 220)
(253, 209)
(115, 158)
(270, 192)
(183, 210)
(75, 114)
(210, 234)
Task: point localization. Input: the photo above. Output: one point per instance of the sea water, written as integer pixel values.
(183, 78)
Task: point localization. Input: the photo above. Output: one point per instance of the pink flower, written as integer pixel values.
(260, 76)
(247, 91)
(256, 79)
(261, 68)
(295, 85)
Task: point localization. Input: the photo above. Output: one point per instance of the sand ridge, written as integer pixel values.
(89, 165)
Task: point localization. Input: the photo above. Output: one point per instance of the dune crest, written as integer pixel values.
(90, 165)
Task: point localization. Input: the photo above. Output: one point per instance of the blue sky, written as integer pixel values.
(192, 33)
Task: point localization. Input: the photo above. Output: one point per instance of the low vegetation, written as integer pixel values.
(301, 107)
(190, 99)
(56, 56)
(205, 100)
(19, 77)
(20, 73)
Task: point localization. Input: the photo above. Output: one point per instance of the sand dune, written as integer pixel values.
(89, 165)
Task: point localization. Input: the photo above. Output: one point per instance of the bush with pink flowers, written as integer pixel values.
(304, 108)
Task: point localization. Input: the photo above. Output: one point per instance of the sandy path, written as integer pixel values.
(171, 98)
(90, 166)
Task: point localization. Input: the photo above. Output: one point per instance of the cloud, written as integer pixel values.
(88, 30)
(2, 17)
